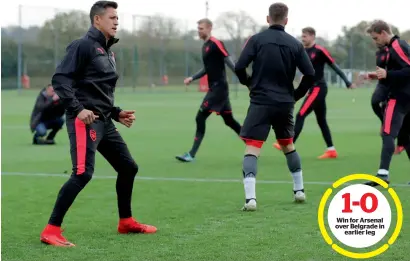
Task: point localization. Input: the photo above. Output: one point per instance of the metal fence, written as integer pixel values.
(153, 50)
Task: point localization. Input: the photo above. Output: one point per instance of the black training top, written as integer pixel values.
(398, 69)
(86, 77)
(215, 56)
(320, 56)
(275, 55)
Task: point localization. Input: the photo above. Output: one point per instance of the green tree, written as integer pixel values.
(8, 63)
(358, 46)
(238, 26)
(158, 46)
(64, 28)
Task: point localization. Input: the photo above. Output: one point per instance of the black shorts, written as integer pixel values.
(394, 116)
(217, 100)
(261, 118)
(101, 135)
(316, 99)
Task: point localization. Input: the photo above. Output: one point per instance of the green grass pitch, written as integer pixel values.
(195, 206)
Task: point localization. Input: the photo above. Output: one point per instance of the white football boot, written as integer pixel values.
(300, 196)
(250, 206)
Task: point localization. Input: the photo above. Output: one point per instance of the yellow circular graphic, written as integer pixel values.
(321, 219)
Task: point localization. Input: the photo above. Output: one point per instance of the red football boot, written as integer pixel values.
(329, 154)
(130, 225)
(51, 235)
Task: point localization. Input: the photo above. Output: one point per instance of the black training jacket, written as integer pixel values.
(86, 77)
(275, 55)
(45, 109)
(398, 69)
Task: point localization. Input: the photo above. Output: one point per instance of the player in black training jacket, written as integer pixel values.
(85, 82)
(396, 75)
(380, 96)
(215, 56)
(316, 99)
(48, 113)
(275, 55)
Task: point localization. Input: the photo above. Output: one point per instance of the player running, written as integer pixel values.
(316, 99)
(214, 56)
(275, 55)
(85, 81)
(397, 78)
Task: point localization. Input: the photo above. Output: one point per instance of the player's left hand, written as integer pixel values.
(126, 118)
(381, 73)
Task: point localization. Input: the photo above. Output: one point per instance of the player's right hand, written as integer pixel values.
(188, 80)
(87, 116)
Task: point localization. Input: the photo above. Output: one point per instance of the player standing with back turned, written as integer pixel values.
(214, 56)
(397, 79)
(275, 55)
(85, 82)
(316, 99)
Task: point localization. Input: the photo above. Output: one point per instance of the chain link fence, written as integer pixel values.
(153, 50)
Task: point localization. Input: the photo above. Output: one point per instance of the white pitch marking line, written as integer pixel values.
(180, 179)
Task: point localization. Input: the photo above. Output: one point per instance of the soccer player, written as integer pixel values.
(380, 97)
(316, 99)
(397, 78)
(85, 82)
(47, 115)
(214, 56)
(275, 55)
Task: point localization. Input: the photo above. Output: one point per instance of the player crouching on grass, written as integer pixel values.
(47, 115)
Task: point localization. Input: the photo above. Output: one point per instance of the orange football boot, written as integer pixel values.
(130, 225)
(51, 235)
(329, 154)
(276, 145)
